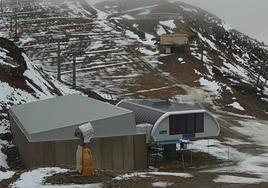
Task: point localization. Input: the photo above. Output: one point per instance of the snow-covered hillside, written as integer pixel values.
(121, 55)
(220, 62)
(21, 82)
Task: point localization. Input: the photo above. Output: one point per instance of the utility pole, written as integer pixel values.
(74, 72)
(265, 74)
(10, 27)
(58, 62)
(259, 68)
(59, 39)
(74, 54)
(16, 26)
(202, 54)
(2, 7)
(200, 45)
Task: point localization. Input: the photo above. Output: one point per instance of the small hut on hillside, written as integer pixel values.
(173, 43)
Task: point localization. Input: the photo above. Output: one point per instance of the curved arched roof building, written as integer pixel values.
(173, 121)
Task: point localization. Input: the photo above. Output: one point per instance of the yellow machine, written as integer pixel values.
(87, 168)
(83, 154)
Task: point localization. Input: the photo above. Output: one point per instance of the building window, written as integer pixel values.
(186, 124)
(199, 123)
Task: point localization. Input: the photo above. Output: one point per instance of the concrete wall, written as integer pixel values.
(123, 152)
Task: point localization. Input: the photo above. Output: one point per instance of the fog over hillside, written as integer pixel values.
(244, 15)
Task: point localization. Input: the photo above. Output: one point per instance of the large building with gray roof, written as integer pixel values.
(44, 132)
(172, 121)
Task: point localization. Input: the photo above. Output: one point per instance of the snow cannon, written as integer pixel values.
(85, 133)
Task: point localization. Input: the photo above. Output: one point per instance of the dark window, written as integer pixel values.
(174, 121)
(186, 124)
(182, 122)
(199, 122)
(190, 123)
(177, 124)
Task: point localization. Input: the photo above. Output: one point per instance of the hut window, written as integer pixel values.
(186, 124)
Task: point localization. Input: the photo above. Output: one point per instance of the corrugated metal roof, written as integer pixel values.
(62, 112)
(164, 106)
(142, 113)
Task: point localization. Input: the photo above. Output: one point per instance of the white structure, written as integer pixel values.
(173, 121)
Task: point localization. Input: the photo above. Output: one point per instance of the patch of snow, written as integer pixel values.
(23, 41)
(182, 175)
(155, 63)
(121, 76)
(101, 15)
(6, 175)
(32, 74)
(235, 142)
(237, 180)
(217, 149)
(35, 178)
(160, 30)
(256, 164)
(4, 126)
(3, 34)
(188, 9)
(141, 8)
(95, 45)
(135, 25)
(168, 23)
(211, 85)
(180, 59)
(151, 90)
(257, 130)
(264, 99)
(3, 157)
(132, 35)
(237, 106)
(198, 73)
(209, 42)
(145, 12)
(131, 175)
(238, 70)
(147, 51)
(226, 26)
(149, 174)
(162, 184)
(107, 96)
(240, 60)
(3, 53)
(3, 57)
(233, 114)
(18, 96)
(128, 17)
(148, 37)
